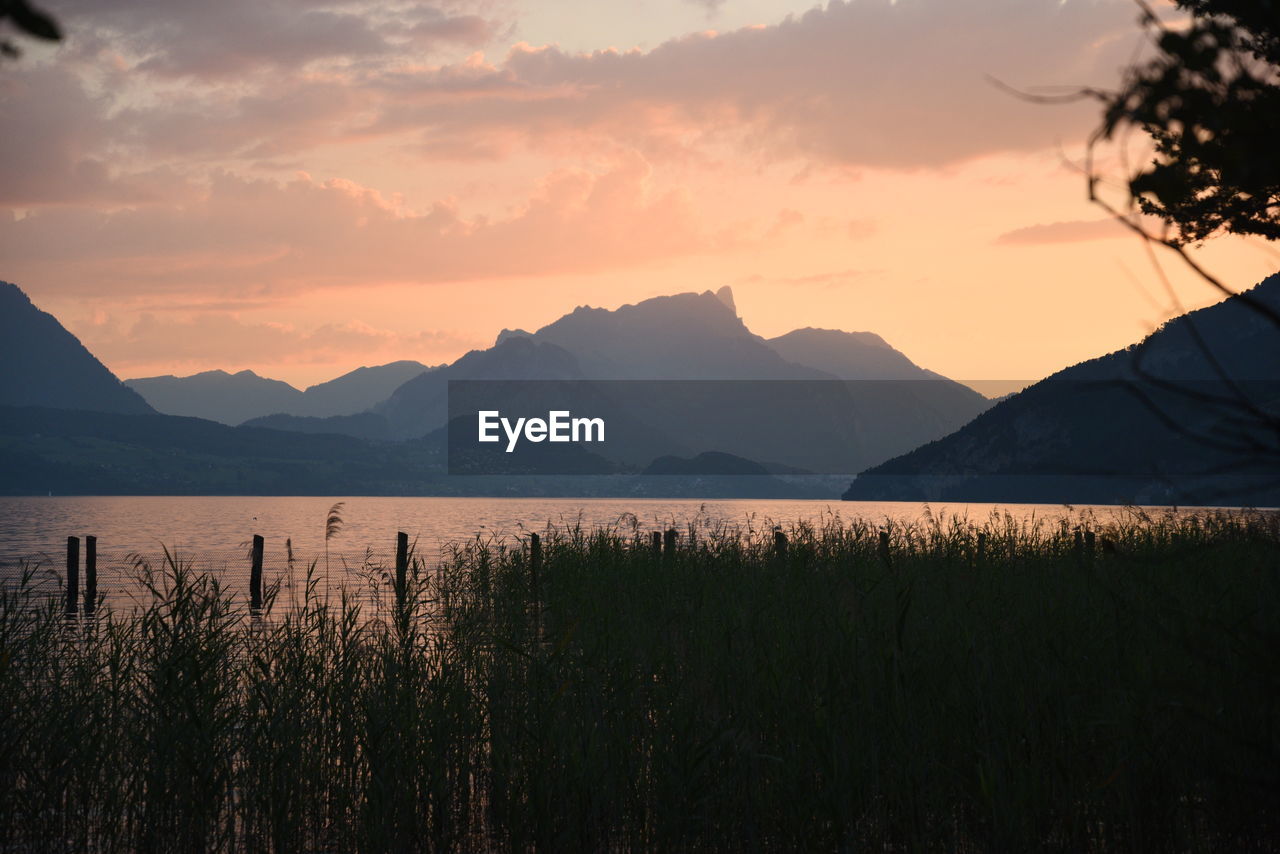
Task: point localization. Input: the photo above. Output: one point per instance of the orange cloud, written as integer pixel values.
(209, 338)
(1073, 231)
(247, 236)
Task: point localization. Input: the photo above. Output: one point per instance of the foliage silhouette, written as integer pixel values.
(1210, 100)
(28, 20)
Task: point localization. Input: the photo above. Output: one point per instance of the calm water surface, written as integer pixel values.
(211, 525)
(214, 532)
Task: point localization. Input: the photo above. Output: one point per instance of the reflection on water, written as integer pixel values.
(214, 532)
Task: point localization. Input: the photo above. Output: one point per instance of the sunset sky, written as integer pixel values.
(301, 188)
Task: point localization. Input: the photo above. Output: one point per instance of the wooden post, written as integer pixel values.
(402, 567)
(982, 546)
(669, 544)
(90, 575)
(255, 574)
(884, 548)
(657, 543)
(73, 576)
(1088, 544)
(1079, 546)
(780, 545)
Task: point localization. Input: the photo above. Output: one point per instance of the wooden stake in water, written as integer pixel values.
(73, 576)
(780, 545)
(1089, 539)
(255, 574)
(90, 575)
(402, 567)
(669, 544)
(657, 543)
(884, 548)
(982, 546)
(1079, 546)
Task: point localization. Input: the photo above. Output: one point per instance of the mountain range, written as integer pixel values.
(1191, 414)
(45, 365)
(403, 406)
(890, 404)
(239, 397)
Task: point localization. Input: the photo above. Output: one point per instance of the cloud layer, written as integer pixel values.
(189, 342)
(243, 236)
(253, 151)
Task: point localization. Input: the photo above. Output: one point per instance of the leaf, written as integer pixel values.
(33, 22)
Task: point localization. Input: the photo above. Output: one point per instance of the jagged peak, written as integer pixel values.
(511, 333)
(725, 295)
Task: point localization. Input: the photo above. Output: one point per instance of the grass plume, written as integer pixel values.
(726, 697)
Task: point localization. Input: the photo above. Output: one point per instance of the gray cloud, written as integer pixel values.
(899, 85)
(54, 149)
(217, 40)
(869, 83)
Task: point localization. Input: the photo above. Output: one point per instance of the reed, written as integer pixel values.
(729, 694)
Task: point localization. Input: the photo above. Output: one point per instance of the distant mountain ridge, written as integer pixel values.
(890, 404)
(681, 336)
(216, 395)
(699, 336)
(244, 396)
(688, 336)
(421, 405)
(45, 365)
(848, 355)
(1147, 424)
(359, 390)
(674, 345)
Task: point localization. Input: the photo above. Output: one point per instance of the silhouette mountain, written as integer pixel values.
(702, 428)
(889, 406)
(45, 365)
(1188, 415)
(921, 404)
(421, 405)
(245, 396)
(687, 336)
(217, 395)
(358, 390)
(849, 355)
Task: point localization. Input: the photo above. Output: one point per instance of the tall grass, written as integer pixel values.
(721, 698)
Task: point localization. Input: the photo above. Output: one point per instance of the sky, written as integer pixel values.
(300, 188)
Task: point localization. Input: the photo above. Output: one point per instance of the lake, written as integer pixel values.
(214, 532)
